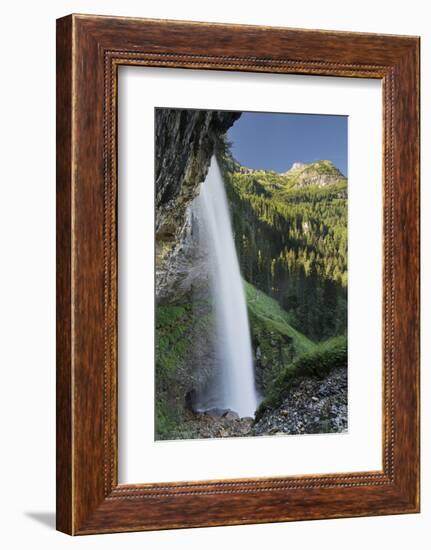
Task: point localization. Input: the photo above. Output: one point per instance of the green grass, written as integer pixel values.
(170, 424)
(173, 346)
(275, 341)
(318, 362)
(178, 327)
(264, 308)
(323, 167)
(172, 343)
(165, 422)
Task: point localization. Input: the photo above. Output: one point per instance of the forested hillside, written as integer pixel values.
(291, 237)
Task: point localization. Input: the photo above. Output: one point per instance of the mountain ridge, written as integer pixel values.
(321, 173)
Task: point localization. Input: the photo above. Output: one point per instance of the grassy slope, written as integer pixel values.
(268, 312)
(276, 343)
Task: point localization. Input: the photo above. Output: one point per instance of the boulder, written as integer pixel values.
(216, 412)
(231, 415)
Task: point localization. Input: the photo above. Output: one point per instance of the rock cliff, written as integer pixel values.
(321, 174)
(185, 143)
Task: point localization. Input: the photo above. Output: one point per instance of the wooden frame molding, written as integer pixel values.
(89, 51)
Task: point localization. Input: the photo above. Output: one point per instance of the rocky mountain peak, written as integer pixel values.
(320, 173)
(297, 166)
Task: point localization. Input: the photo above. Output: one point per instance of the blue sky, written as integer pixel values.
(274, 141)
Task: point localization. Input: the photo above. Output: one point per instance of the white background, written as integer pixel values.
(141, 458)
(27, 120)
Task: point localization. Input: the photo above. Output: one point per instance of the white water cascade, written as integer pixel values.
(237, 387)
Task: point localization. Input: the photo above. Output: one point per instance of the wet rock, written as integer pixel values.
(231, 415)
(191, 397)
(185, 143)
(217, 412)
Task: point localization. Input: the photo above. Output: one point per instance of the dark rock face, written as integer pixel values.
(185, 142)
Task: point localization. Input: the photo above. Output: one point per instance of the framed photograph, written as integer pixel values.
(237, 274)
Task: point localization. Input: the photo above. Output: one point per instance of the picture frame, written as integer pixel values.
(89, 51)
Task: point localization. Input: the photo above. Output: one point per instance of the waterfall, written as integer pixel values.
(236, 389)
